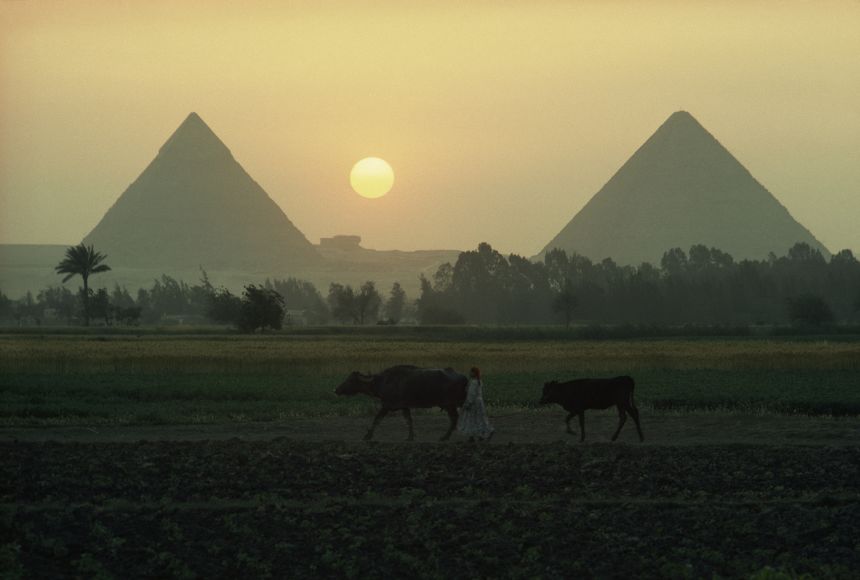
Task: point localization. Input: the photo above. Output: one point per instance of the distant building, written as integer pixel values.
(296, 318)
(341, 242)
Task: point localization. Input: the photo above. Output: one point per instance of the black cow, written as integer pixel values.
(405, 387)
(578, 395)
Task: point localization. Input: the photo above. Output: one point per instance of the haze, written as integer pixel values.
(500, 121)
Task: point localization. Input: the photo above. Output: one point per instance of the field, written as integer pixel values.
(215, 455)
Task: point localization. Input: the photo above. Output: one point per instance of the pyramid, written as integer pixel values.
(194, 205)
(681, 188)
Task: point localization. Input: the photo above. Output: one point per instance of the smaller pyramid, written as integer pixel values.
(681, 188)
(194, 205)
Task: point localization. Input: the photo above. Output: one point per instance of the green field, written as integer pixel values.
(72, 380)
(177, 455)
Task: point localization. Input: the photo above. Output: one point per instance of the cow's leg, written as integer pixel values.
(453, 415)
(622, 418)
(408, 415)
(379, 417)
(634, 412)
(567, 422)
(582, 426)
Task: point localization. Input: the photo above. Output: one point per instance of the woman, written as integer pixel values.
(473, 420)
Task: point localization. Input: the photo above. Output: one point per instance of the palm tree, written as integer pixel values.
(82, 261)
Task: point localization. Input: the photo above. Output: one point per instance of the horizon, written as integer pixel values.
(532, 112)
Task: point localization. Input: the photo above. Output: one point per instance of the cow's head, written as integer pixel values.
(354, 384)
(549, 393)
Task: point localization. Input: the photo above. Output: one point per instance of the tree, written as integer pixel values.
(396, 301)
(809, 310)
(480, 283)
(169, 296)
(129, 316)
(100, 306)
(367, 302)
(198, 295)
(556, 267)
(803, 252)
(61, 300)
(347, 305)
(261, 308)
(443, 278)
(302, 295)
(565, 302)
(432, 305)
(82, 261)
(224, 307)
(5, 306)
(341, 301)
(29, 309)
(120, 297)
(674, 262)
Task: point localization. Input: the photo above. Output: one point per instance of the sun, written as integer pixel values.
(371, 177)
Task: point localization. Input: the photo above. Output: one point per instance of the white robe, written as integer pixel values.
(473, 418)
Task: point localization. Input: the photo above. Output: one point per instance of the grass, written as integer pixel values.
(157, 379)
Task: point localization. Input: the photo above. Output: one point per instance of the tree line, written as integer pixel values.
(703, 286)
(168, 300)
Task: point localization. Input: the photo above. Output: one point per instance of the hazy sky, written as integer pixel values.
(500, 119)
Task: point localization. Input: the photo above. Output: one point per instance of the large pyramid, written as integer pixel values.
(193, 206)
(681, 188)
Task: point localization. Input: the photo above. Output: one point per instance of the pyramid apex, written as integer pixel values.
(194, 118)
(194, 139)
(681, 125)
(681, 117)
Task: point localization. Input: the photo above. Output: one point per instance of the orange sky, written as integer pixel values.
(500, 119)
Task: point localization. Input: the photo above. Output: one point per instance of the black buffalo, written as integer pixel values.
(578, 395)
(406, 387)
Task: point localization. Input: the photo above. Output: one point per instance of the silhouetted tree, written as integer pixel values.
(367, 302)
(100, 306)
(674, 262)
(809, 310)
(261, 308)
(120, 297)
(198, 295)
(169, 296)
(5, 307)
(431, 305)
(480, 280)
(341, 301)
(28, 309)
(395, 303)
(565, 302)
(302, 295)
(443, 278)
(224, 307)
(129, 316)
(803, 252)
(61, 300)
(82, 261)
